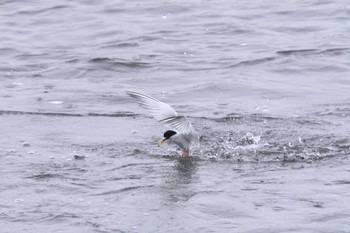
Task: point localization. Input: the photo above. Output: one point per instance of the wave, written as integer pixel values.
(119, 62)
(308, 52)
(64, 114)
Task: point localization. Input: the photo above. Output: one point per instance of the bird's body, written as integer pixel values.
(184, 142)
(182, 133)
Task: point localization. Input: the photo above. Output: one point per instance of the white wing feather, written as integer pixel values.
(165, 114)
(156, 108)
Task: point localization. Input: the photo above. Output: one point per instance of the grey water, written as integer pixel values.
(265, 83)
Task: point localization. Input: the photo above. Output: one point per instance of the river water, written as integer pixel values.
(265, 83)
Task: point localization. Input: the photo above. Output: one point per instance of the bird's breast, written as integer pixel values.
(183, 142)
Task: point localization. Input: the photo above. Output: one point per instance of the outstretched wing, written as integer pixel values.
(165, 114)
(156, 108)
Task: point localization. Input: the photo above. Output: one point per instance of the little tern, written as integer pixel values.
(181, 133)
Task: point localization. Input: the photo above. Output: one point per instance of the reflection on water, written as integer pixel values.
(180, 180)
(185, 170)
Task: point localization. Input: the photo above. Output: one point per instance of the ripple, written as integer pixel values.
(341, 182)
(63, 114)
(309, 52)
(122, 190)
(42, 10)
(253, 62)
(44, 176)
(121, 45)
(119, 62)
(298, 52)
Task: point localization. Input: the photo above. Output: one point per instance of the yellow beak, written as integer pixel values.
(161, 142)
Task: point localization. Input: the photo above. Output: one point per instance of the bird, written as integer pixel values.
(181, 131)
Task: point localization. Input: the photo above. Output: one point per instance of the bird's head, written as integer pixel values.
(168, 134)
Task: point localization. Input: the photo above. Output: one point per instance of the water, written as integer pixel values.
(266, 84)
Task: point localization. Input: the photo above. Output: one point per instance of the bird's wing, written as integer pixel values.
(165, 114)
(156, 108)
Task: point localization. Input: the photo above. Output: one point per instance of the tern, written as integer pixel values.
(181, 130)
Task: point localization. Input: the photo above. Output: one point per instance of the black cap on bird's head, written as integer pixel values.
(168, 134)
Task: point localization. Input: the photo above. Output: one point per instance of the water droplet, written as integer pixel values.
(300, 140)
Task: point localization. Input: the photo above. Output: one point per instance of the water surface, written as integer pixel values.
(265, 84)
